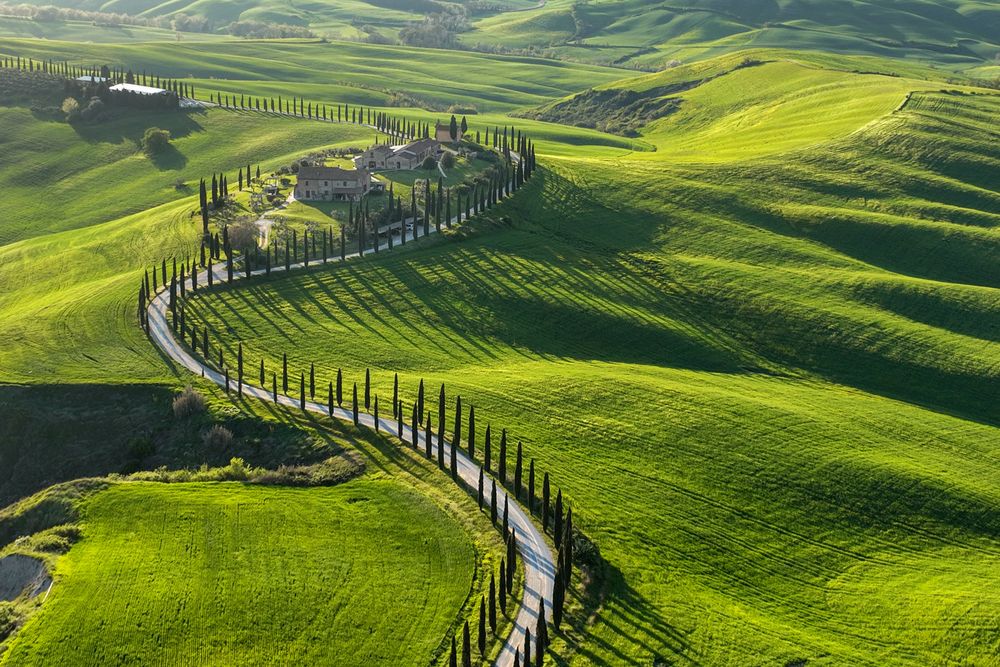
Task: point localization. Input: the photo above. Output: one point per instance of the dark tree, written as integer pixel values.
(502, 586)
(376, 413)
(480, 495)
(558, 519)
(517, 472)
(396, 414)
(487, 445)
(284, 373)
(466, 646)
(428, 437)
(329, 400)
(302, 391)
(453, 658)
(420, 398)
(340, 387)
(482, 626)
(456, 441)
(368, 389)
(355, 404)
(312, 381)
(493, 603)
(541, 634)
(493, 503)
(472, 432)
(545, 502)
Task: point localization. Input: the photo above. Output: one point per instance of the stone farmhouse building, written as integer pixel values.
(442, 132)
(332, 184)
(410, 156)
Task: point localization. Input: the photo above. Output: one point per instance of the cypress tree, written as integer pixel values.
(453, 659)
(567, 546)
(531, 487)
(527, 647)
(368, 389)
(493, 503)
(376, 413)
(517, 472)
(502, 586)
(284, 373)
(502, 459)
(487, 446)
(396, 414)
(302, 391)
(340, 388)
(511, 559)
(558, 519)
(545, 502)
(517, 657)
(558, 598)
(420, 398)
(466, 646)
(441, 417)
(506, 526)
(428, 437)
(454, 460)
(312, 381)
(355, 404)
(482, 626)
(472, 432)
(479, 497)
(398, 409)
(329, 400)
(493, 603)
(541, 634)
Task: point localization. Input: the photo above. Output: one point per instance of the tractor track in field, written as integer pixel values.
(534, 552)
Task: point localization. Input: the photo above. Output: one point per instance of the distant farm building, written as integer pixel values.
(410, 156)
(442, 132)
(332, 184)
(91, 79)
(136, 89)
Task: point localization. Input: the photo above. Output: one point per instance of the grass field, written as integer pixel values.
(375, 561)
(759, 360)
(764, 383)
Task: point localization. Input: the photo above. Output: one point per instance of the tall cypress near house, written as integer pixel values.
(493, 503)
(312, 381)
(302, 391)
(428, 437)
(487, 446)
(284, 373)
(517, 472)
(441, 417)
(329, 400)
(557, 524)
(505, 524)
(545, 502)
(427, 207)
(396, 414)
(493, 603)
(502, 460)
(472, 432)
(340, 388)
(368, 389)
(355, 404)
(479, 497)
(376, 413)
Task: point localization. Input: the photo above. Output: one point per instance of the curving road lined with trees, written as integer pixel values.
(534, 552)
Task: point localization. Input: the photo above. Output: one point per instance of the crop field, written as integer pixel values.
(229, 574)
(764, 383)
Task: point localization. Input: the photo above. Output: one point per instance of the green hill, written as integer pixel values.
(760, 372)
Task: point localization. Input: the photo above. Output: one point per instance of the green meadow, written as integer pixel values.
(756, 345)
(203, 574)
(762, 376)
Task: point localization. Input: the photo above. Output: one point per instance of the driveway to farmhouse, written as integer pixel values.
(535, 553)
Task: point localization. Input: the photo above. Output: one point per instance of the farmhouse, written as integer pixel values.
(442, 132)
(136, 89)
(91, 79)
(410, 156)
(332, 184)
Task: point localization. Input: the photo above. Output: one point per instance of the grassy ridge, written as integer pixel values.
(234, 557)
(764, 385)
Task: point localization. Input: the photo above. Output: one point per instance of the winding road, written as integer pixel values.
(534, 552)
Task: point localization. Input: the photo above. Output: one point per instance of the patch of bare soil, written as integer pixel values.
(22, 575)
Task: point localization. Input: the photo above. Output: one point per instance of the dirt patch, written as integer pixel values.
(22, 575)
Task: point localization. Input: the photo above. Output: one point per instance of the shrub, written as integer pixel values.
(94, 111)
(428, 163)
(155, 140)
(448, 160)
(8, 619)
(188, 402)
(71, 108)
(218, 437)
(463, 109)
